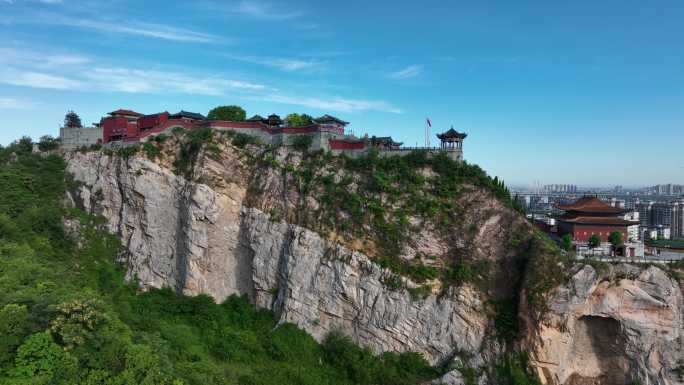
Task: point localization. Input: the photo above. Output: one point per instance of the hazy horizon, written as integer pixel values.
(582, 93)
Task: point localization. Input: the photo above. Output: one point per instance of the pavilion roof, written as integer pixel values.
(125, 112)
(452, 134)
(256, 118)
(591, 205)
(329, 118)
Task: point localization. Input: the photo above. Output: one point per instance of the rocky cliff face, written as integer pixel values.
(201, 239)
(212, 233)
(618, 326)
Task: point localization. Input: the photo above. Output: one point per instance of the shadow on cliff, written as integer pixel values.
(599, 342)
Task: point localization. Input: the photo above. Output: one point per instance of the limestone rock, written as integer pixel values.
(208, 234)
(197, 239)
(620, 327)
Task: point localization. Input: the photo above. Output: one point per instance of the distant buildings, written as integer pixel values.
(665, 189)
(590, 216)
(560, 188)
(664, 215)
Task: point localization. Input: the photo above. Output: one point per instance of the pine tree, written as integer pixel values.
(72, 120)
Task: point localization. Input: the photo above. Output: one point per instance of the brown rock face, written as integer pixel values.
(617, 328)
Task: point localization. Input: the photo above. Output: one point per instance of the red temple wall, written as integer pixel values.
(148, 122)
(345, 145)
(114, 127)
(582, 233)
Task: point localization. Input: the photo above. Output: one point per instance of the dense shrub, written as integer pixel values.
(48, 143)
(151, 150)
(302, 142)
(190, 147)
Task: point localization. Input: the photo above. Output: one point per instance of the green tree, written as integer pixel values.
(25, 144)
(594, 241)
(48, 143)
(41, 361)
(297, 120)
(231, 113)
(72, 120)
(77, 322)
(13, 327)
(616, 239)
(566, 242)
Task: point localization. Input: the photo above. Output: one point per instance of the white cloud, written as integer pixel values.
(263, 10)
(409, 72)
(78, 73)
(156, 31)
(12, 56)
(75, 72)
(335, 103)
(37, 79)
(285, 64)
(150, 81)
(16, 104)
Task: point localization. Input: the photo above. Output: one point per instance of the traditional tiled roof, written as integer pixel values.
(154, 115)
(452, 134)
(125, 112)
(255, 118)
(329, 118)
(274, 120)
(584, 220)
(189, 115)
(591, 205)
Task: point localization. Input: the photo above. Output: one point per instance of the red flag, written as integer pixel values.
(429, 123)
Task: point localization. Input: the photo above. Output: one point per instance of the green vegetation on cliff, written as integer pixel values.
(68, 317)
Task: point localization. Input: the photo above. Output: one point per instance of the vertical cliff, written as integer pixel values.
(226, 221)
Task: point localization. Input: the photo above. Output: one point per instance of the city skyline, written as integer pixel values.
(545, 91)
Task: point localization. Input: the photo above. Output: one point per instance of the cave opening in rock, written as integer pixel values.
(598, 353)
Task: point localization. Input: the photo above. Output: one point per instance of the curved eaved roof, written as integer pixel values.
(591, 205)
(452, 134)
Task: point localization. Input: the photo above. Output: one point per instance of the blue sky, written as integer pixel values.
(586, 92)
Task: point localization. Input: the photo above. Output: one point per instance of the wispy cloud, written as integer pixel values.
(79, 73)
(285, 64)
(407, 73)
(16, 104)
(156, 31)
(335, 103)
(147, 81)
(258, 9)
(33, 79)
(14, 56)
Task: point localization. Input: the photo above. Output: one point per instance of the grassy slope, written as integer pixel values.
(67, 316)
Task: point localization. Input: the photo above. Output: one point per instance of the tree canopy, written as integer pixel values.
(566, 242)
(616, 239)
(297, 120)
(231, 113)
(72, 120)
(594, 241)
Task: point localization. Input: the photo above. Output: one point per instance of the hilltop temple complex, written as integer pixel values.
(126, 127)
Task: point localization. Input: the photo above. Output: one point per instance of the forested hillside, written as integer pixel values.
(68, 317)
